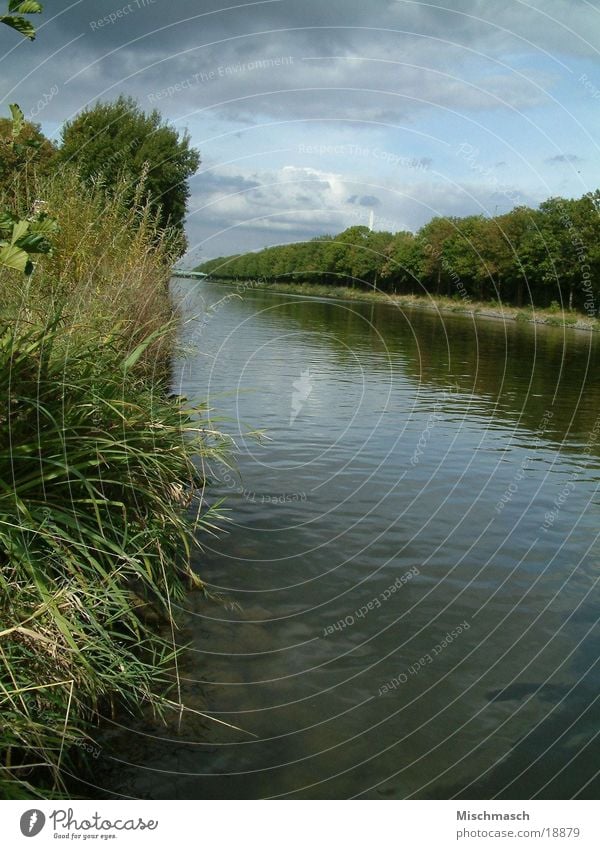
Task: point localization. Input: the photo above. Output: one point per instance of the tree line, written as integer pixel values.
(544, 256)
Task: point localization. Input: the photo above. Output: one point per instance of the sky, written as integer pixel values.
(311, 114)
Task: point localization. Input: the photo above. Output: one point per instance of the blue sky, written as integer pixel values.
(309, 115)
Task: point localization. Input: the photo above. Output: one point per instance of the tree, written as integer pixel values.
(561, 229)
(431, 240)
(523, 257)
(22, 154)
(351, 256)
(109, 140)
(470, 258)
(400, 270)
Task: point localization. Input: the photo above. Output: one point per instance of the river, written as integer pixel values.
(410, 559)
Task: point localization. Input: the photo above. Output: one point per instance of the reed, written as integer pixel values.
(101, 482)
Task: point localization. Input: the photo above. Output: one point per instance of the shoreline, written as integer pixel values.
(475, 309)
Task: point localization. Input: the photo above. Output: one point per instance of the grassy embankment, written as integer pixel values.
(99, 473)
(553, 316)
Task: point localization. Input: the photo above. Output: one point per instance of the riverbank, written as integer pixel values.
(553, 317)
(100, 485)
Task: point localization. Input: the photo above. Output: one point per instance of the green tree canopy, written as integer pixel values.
(111, 139)
(19, 156)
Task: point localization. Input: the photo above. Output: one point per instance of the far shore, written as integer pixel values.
(486, 309)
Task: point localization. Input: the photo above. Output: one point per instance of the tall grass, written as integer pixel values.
(101, 475)
(111, 263)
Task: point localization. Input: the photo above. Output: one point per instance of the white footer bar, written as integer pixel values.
(301, 824)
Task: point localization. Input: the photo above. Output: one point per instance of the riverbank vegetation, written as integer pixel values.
(545, 258)
(101, 470)
(553, 315)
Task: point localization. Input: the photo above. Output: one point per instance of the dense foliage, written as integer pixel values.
(20, 156)
(536, 256)
(109, 140)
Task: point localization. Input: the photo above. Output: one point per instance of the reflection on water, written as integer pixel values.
(413, 553)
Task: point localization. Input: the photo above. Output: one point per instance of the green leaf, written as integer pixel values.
(18, 119)
(20, 228)
(43, 225)
(13, 257)
(24, 7)
(35, 243)
(21, 25)
(135, 355)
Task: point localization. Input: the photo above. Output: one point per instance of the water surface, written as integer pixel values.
(425, 475)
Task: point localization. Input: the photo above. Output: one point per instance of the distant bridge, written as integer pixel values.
(180, 272)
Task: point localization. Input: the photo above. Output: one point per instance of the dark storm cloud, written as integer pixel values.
(182, 23)
(409, 55)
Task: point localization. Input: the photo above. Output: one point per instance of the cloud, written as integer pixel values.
(276, 200)
(213, 183)
(571, 158)
(364, 200)
(381, 62)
